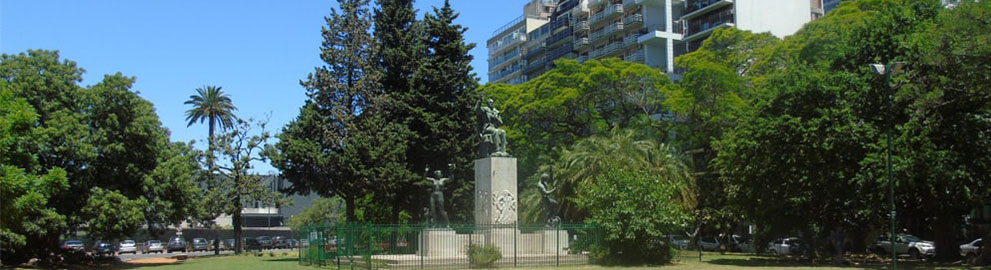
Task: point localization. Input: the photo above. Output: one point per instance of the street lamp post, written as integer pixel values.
(887, 72)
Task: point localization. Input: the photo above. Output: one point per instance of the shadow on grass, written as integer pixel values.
(290, 259)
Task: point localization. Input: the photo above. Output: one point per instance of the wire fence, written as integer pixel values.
(375, 246)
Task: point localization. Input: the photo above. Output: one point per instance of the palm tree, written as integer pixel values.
(590, 158)
(213, 105)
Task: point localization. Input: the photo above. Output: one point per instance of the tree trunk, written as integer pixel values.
(945, 231)
(236, 220)
(349, 201)
(985, 256)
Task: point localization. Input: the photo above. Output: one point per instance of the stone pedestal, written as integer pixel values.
(496, 201)
(555, 241)
(440, 242)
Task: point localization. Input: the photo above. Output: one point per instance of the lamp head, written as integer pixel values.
(878, 69)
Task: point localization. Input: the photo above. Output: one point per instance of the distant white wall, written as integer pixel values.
(780, 17)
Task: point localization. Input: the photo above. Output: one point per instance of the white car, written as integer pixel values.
(784, 246)
(127, 246)
(972, 249)
(153, 246)
(907, 244)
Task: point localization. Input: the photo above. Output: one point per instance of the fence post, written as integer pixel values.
(421, 247)
(557, 244)
(515, 230)
(470, 259)
(371, 242)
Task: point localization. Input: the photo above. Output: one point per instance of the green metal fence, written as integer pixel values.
(375, 246)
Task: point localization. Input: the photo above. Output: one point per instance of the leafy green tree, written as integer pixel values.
(173, 188)
(74, 158)
(590, 159)
(239, 148)
(571, 102)
(635, 207)
(324, 211)
(714, 90)
(25, 191)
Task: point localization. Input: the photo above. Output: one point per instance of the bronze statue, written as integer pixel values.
(437, 213)
(493, 138)
(550, 204)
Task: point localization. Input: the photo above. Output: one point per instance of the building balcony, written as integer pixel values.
(580, 42)
(605, 32)
(558, 53)
(514, 39)
(633, 20)
(556, 38)
(536, 65)
(495, 62)
(612, 47)
(593, 3)
(634, 57)
(657, 32)
(518, 80)
(610, 12)
(558, 23)
(695, 8)
(582, 59)
(630, 40)
(581, 27)
(500, 74)
(707, 31)
(703, 25)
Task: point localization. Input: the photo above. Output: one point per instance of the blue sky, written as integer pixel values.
(256, 50)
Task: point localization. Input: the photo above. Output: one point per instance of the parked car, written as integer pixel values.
(972, 249)
(292, 243)
(739, 244)
(677, 241)
(152, 246)
(228, 244)
(102, 248)
(251, 244)
(73, 245)
(784, 246)
(127, 246)
(906, 244)
(709, 244)
(279, 242)
(304, 242)
(265, 242)
(199, 244)
(176, 244)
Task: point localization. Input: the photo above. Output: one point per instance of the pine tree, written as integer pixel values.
(341, 93)
(446, 80)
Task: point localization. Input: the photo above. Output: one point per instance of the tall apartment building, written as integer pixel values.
(779, 17)
(506, 47)
(652, 32)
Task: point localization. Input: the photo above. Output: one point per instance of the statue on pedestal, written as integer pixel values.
(493, 138)
(437, 213)
(550, 204)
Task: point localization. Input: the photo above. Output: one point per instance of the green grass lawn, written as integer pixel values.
(710, 261)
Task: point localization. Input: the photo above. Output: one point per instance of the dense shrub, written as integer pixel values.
(483, 256)
(635, 210)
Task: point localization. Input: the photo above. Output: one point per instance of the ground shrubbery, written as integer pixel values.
(484, 256)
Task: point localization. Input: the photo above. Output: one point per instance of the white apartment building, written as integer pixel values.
(652, 32)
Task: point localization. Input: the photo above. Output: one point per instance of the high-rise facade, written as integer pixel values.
(507, 46)
(652, 32)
